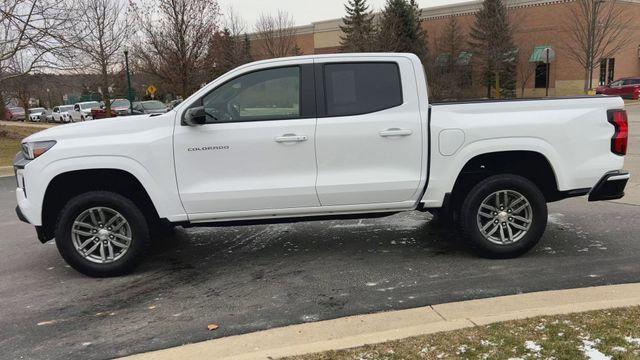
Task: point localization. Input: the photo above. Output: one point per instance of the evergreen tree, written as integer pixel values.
(492, 42)
(358, 29)
(246, 50)
(401, 28)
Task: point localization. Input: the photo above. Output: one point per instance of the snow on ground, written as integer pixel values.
(590, 352)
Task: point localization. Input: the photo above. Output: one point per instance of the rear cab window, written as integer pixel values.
(361, 88)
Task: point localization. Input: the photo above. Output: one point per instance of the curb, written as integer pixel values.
(6, 171)
(360, 330)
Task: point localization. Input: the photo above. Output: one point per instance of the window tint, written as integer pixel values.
(361, 88)
(271, 94)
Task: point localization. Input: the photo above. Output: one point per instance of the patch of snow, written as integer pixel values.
(462, 349)
(633, 341)
(309, 318)
(619, 349)
(591, 353)
(532, 346)
(540, 327)
(371, 284)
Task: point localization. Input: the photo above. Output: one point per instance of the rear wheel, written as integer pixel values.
(504, 216)
(102, 234)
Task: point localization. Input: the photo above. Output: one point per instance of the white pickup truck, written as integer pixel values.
(313, 137)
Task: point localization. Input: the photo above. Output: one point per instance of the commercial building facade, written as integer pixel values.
(538, 25)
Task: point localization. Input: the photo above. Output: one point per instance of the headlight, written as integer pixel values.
(34, 149)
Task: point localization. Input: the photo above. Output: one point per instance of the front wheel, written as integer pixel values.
(504, 216)
(101, 233)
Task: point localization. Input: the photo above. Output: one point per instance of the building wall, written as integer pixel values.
(536, 23)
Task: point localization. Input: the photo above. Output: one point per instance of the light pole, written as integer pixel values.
(49, 96)
(129, 92)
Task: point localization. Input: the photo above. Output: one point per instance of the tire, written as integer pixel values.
(96, 264)
(508, 241)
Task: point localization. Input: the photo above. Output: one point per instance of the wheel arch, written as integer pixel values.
(529, 164)
(68, 184)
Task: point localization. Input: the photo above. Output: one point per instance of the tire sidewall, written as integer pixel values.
(490, 185)
(137, 222)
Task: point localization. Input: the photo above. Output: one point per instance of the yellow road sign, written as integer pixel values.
(151, 89)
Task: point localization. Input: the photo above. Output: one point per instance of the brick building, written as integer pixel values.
(538, 25)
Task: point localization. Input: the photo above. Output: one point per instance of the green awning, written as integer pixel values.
(540, 54)
(464, 58)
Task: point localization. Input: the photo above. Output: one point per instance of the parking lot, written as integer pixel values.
(257, 277)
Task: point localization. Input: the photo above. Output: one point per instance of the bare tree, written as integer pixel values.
(173, 40)
(29, 38)
(98, 36)
(526, 70)
(597, 29)
(276, 35)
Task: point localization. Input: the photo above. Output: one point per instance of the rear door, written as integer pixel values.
(369, 134)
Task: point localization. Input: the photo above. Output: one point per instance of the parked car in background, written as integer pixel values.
(62, 114)
(119, 107)
(174, 103)
(14, 113)
(37, 114)
(628, 88)
(148, 107)
(82, 110)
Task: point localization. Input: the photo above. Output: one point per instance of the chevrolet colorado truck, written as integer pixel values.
(316, 137)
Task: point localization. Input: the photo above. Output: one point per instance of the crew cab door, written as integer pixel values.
(256, 150)
(369, 140)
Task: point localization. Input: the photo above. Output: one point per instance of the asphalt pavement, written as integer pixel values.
(258, 277)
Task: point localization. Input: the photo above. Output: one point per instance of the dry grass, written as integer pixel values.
(613, 333)
(10, 137)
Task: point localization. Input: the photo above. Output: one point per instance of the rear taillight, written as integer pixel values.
(618, 118)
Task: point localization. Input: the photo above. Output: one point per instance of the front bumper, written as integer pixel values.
(611, 186)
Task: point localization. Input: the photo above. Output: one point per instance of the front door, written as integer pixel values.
(256, 150)
(369, 133)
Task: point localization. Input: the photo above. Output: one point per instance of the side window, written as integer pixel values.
(616, 83)
(360, 88)
(55, 109)
(272, 94)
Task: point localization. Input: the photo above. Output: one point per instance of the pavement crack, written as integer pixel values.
(473, 322)
(436, 311)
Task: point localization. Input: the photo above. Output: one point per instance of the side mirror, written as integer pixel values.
(195, 116)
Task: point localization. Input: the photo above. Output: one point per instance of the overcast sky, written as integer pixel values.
(306, 11)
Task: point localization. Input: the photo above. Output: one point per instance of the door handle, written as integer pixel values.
(287, 138)
(395, 132)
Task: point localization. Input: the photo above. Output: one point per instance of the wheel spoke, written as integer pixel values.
(522, 207)
(103, 256)
(113, 220)
(520, 218)
(91, 249)
(93, 217)
(80, 232)
(486, 226)
(519, 227)
(84, 224)
(110, 248)
(495, 228)
(101, 214)
(489, 216)
(502, 234)
(509, 233)
(84, 244)
(123, 237)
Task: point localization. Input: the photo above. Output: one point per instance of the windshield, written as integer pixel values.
(120, 103)
(16, 110)
(66, 108)
(153, 105)
(90, 105)
(36, 110)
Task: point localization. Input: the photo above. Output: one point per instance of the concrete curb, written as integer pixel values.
(359, 330)
(6, 171)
